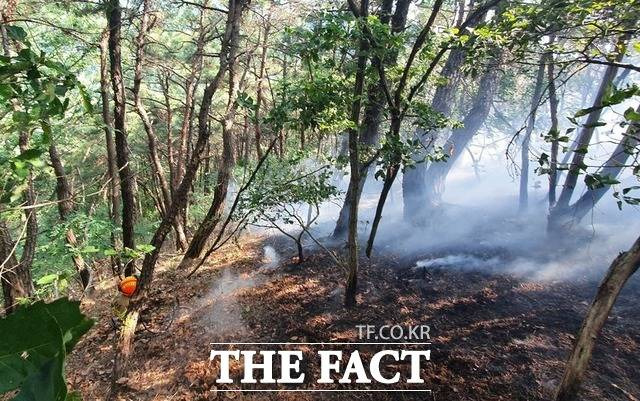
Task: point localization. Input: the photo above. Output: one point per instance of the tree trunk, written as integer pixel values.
(553, 111)
(65, 207)
(190, 89)
(214, 214)
(415, 187)
(619, 272)
(584, 138)
(260, 83)
(31, 235)
(124, 346)
(612, 168)
(152, 140)
(354, 164)
(370, 132)
(390, 177)
(15, 277)
(531, 122)
(114, 16)
(398, 112)
(164, 83)
(559, 216)
(112, 165)
(456, 143)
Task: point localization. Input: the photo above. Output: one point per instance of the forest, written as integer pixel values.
(184, 181)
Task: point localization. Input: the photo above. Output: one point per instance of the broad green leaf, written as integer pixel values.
(16, 33)
(34, 343)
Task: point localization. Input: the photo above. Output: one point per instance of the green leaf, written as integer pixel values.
(86, 99)
(586, 111)
(31, 156)
(48, 279)
(33, 361)
(16, 33)
(631, 115)
(145, 248)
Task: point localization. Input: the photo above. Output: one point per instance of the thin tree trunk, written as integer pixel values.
(15, 277)
(531, 122)
(124, 345)
(190, 89)
(152, 140)
(612, 168)
(65, 207)
(214, 214)
(553, 111)
(354, 164)
(114, 16)
(31, 238)
(623, 267)
(390, 177)
(164, 83)
(259, 90)
(584, 139)
(112, 165)
(370, 132)
(397, 112)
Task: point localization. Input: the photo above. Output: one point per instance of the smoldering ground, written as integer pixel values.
(478, 226)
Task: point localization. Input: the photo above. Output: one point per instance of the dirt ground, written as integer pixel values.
(494, 337)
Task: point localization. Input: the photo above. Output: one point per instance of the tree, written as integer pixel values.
(124, 347)
(152, 139)
(526, 139)
(370, 131)
(64, 194)
(112, 164)
(287, 195)
(561, 211)
(414, 180)
(227, 161)
(114, 16)
(395, 153)
(619, 272)
(354, 165)
(553, 132)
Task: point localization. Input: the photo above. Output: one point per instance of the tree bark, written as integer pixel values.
(612, 168)
(531, 122)
(553, 111)
(15, 276)
(259, 89)
(354, 164)
(112, 165)
(623, 267)
(114, 16)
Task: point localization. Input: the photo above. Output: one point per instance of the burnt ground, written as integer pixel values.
(494, 337)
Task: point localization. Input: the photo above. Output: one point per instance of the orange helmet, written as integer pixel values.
(128, 286)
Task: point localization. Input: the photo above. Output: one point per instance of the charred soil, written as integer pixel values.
(494, 337)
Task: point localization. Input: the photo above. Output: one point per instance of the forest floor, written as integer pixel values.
(494, 336)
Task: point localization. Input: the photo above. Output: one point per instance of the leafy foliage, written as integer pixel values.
(33, 361)
(34, 90)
